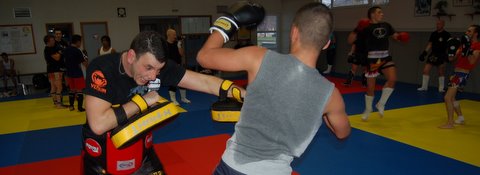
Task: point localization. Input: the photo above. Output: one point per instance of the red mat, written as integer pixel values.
(354, 88)
(193, 156)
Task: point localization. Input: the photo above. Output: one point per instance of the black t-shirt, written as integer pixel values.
(376, 36)
(52, 64)
(73, 58)
(360, 47)
(105, 81)
(172, 52)
(439, 42)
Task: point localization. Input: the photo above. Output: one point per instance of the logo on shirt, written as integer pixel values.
(99, 82)
(148, 140)
(379, 32)
(93, 147)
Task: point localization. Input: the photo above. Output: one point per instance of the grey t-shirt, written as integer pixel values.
(280, 116)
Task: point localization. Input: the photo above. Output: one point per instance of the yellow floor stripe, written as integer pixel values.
(418, 126)
(35, 114)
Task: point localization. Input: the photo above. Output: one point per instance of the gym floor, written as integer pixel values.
(36, 138)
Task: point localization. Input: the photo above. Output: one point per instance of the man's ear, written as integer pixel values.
(326, 45)
(131, 56)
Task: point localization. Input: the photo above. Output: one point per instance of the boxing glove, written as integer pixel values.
(362, 24)
(422, 56)
(241, 14)
(403, 37)
(452, 46)
(465, 42)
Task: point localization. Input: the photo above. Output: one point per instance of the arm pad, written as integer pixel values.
(226, 109)
(142, 123)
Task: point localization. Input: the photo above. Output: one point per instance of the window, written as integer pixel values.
(343, 3)
(380, 2)
(267, 33)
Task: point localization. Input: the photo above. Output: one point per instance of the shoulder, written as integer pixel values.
(476, 46)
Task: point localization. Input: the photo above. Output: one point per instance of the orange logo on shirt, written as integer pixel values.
(99, 82)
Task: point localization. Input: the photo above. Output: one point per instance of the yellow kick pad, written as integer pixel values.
(418, 126)
(36, 114)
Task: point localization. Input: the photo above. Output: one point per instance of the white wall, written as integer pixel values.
(121, 30)
(399, 13)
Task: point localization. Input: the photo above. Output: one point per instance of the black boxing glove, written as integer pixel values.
(452, 46)
(465, 42)
(242, 13)
(422, 56)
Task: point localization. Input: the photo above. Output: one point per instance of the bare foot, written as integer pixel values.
(447, 126)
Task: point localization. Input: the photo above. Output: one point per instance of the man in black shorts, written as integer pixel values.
(437, 57)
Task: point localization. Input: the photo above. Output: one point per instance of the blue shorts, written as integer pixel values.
(223, 169)
(458, 80)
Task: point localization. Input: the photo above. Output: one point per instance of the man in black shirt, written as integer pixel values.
(376, 40)
(438, 45)
(114, 83)
(74, 57)
(55, 67)
(175, 52)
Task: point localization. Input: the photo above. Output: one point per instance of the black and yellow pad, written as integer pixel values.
(226, 109)
(144, 122)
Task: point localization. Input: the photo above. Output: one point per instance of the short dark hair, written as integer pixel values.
(372, 10)
(76, 38)
(149, 42)
(46, 38)
(3, 54)
(106, 38)
(315, 23)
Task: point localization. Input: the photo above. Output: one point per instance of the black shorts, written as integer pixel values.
(436, 60)
(357, 59)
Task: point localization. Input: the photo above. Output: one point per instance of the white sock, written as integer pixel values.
(173, 98)
(425, 79)
(183, 96)
(441, 84)
(329, 68)
(368, 107)
(386, 92)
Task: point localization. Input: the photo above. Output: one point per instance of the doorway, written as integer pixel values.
(91, 33)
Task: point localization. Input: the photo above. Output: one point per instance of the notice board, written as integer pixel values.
(17, 39)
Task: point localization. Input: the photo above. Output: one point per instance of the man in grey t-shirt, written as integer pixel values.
(276, 123)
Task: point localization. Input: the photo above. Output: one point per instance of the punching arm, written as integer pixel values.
(335, 117)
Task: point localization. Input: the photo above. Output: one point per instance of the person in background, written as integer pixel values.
(437, 44)
(55, 69)
(74, 58)
(376, 40)
(357, 56)
(8, 72)
(331, 53)
(106, 46)
(175, 52)
(467, 56)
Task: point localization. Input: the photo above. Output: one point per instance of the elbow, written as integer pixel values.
(201, 57)
(341, 135)
(96, 128)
